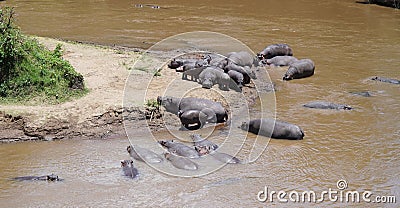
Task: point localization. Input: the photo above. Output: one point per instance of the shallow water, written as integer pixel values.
(349, 43)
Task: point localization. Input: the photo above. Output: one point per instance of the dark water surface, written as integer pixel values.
(349, 43)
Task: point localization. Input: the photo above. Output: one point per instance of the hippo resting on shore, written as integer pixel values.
(196, 117)
(129, 169)
(220, 156)
(388, 80)
(143, 154)
(201, 142)
(242, 58)
(174, 64)
(273, 128)
(179, 149)
(174, 105)
(245, 71)
(193, 73)
(300, 69)
(51, 177)
(180, 162)
(211, 76)
(327, 105)
(273, 50)
(281, 61)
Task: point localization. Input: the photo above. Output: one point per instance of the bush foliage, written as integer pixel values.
(29, 71)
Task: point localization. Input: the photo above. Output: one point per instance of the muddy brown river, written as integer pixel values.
(348, 42)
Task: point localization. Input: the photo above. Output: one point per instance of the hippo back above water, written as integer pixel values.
(300, 69)
(279, 49)
(273, 128)
(179, 149)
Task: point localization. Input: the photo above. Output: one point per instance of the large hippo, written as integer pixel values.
(279, 49)
(201, 142)
(51, 177)
(327, 105)
(180, 162)
(143, 154)
(246, 71)
(211, 76)
(300, 69)
(243, 58)
(220, 156)
(273, 128)
(174, 105)
(281, 61)
(388, 80)
(190, 117)
(179, 149)
(128, 168)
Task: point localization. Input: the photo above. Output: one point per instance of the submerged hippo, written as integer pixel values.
(128, 168)
(51, 177)
(279, 49)
(281, 61)
(179, 149)
(300, 69)
(211, 76)
(273, 128)
(327, 105)
(362, 93)
(388, 80)
(190, 117)
(220, 156)
(181, 162)
(143, 154)
(242, 58)
(201, 142)
(215, 112)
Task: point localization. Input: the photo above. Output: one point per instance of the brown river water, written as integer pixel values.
(349, 43)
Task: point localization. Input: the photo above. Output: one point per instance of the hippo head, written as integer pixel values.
(52, 177)
(244, 126)
(347, 107)
(202, 150)
(207, 58)
(207, 83)
(250, 72)
(260, 56)
(169, 103)
(166, 143)
(288, 76)
(126, 163)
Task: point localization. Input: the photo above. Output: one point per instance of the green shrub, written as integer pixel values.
(29, 71)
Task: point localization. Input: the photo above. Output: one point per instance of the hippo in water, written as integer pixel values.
(143, 154)
(220, 156)
(388, 80)
(281, 61)
(300, 69)
(273, 128)
(51, 177)
(215, 112)
(327, 105)
(201, 142)
(179, 149)
(181, 162)
(211, 76)
(128, 168)
(279, 49)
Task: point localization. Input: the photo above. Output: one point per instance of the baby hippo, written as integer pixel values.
(179, 149)
(201, 142)
(128, 168)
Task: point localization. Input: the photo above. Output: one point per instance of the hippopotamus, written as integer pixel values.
(237, 77)
(180, 162)
(362, 93)
(51, 177)
(388, 80)
(190, 117)
(243, 58)
(193, 73)
(281, 61)
(193, 64)
(220, 156)
(201, 142)
(300, 69)
(211, 76)
(143, 154)
(128, 168)
(327, 105)
(179, 149)
(273, 128)
(174, 105)
(175, 64)
(246, 71)
(279, 49)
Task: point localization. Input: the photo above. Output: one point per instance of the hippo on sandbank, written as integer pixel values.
(242, 58)
(327, 105)
(211, 76)
(128, 168)
(143, 154)
(300, 69)
(273, 128)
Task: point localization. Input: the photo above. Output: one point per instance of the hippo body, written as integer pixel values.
(247, 73)
(300, 69)
(281, 60)
(273, 128)
(143, 154)
(237, 77)
(213, 75)
(181, 162)
(179, 149)
(220, 156)
(190, 117)
(388, 80)
(242, 58)
(128, 168)
(201, 142)
(51, 177)
(327, 105)
(273, 50)
(362, 93)
(193, 73)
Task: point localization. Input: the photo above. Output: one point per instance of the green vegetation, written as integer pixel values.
(30, 72)
(152, 103)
